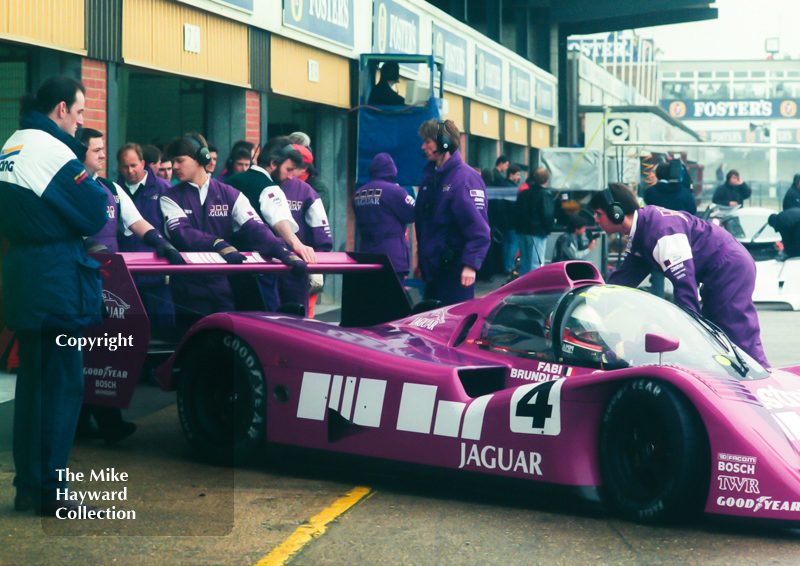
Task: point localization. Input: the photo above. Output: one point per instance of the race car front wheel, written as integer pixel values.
(653, 453)
(221, 400)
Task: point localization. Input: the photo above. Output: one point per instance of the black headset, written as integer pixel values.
(612, 208)
(201, 154)
(443, 142)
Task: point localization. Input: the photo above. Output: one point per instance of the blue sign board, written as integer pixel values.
(453, 49)
(731, 109)
(489, 69)
(394, 29)
(545, 100)
(520, 88)
(328, 19)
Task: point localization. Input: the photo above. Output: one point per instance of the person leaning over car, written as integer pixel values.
(452, 225)
(734, 191)
(572, 244)
(689, 251)
(51, 288)
(204, 215)
(787, 224)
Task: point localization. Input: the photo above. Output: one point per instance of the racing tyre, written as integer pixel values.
(653, 453)
(221, 398)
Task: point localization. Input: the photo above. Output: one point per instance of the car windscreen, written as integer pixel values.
(519, 326)
(604, 326)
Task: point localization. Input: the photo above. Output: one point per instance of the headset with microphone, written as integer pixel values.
(443, 141)
(612, 208)
(201, 154)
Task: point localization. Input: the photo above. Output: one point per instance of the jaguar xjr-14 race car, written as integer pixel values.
(554, 378)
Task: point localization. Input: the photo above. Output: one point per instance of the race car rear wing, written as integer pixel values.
(114, 352)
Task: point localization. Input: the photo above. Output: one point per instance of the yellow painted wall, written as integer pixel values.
(480, 113)
(57, 24)
(516, 129)
(153, 37)
(289, 73)
(455, 109)
(540, 135)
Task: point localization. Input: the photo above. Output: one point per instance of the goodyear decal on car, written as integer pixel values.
(543, 372)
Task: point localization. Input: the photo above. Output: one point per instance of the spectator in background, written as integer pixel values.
(165, 170)
(787, 223)
(315, 230)
(573, 243)
(202, 214)
(514, 172)
(792, 197)
(301, 138)
(383, 93)
(383, 209)
(533, 221)
(487, 177)
(51, 288)
(152, 156)
(733, 192)
(452, 226)
(242, 155)
(145, 189)
(212, 165)
(499, 172)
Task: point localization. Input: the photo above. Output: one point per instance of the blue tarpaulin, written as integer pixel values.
(393, 130)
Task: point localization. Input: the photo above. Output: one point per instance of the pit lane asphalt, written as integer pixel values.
(191, 513)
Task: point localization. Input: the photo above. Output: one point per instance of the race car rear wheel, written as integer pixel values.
(653, 453)
(221, 398)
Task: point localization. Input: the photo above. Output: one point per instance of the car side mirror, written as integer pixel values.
(660, 343)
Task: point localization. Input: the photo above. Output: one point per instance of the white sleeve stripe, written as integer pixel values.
(276, 208)
(316, 216)
(242, 212)
(40, 158)
(672, 250)
(128, 213)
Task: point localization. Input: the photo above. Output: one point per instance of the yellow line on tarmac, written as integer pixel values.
(314, 528)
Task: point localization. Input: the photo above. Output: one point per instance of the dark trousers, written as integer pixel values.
(449, 291)
(47, 402)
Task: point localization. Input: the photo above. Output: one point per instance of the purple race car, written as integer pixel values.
(555, 378)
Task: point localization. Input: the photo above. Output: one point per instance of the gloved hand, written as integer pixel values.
(228, 252)
(154, 239)
(298, 266)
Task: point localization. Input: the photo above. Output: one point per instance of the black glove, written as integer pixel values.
(298, 266)
(154, 239)
(228, 252)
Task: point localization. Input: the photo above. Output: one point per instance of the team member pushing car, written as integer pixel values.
(689, 251)
(205, 215)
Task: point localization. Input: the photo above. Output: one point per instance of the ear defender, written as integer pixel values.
(201, 154)
(443, 143)
(612, 208)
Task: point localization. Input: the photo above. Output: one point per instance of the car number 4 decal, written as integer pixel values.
(536, 408)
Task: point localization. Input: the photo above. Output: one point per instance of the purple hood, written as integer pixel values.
(383, 168)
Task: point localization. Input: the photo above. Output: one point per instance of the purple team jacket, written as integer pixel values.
(383, 209)
(200, 228)
(309, 214)
(689, 251)
(451, 219)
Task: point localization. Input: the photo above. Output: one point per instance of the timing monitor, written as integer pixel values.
(416, 93)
